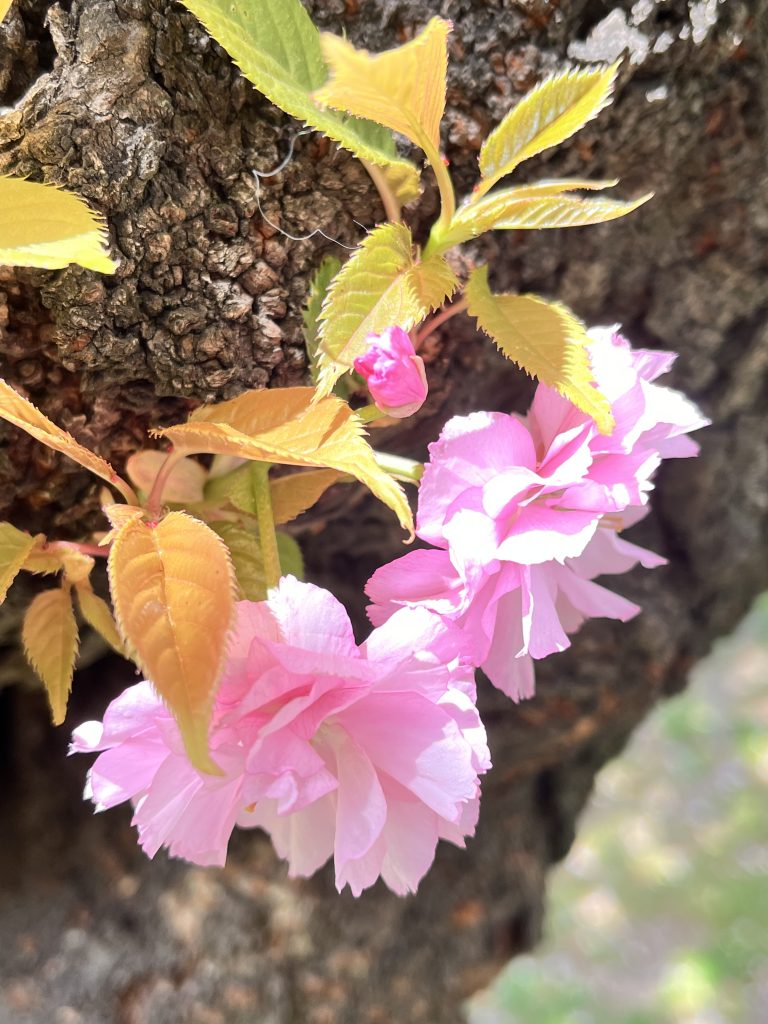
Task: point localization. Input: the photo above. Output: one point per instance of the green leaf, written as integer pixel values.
(321, 281)
(403, 88)
(247, 561)
(44, 226)
(506, 210)
(544, 339)
(374, 290)
(291, 558)
(277, 47)
(547, 116)
(14, 548)
(235, 487)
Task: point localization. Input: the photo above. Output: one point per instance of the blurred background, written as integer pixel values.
(659, 914)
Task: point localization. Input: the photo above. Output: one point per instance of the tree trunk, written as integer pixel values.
(129, 103)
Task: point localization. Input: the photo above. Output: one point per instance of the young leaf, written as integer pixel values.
(23, 414)
(544, 339)
(547, 116)
(289, 426)
(236, 487)
(5, 6)
(374, 290)
(77, 566)
(293, 494)
(49, 636)
(172, 588)
(276, 46)
(505, 210)
(14, 548)
(403, 88)
(97, 614)
(434, 282)
(247, 561)
(44, 226)
(318, 289)
(42, 558)
(185, 481)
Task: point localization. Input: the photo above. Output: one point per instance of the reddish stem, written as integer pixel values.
(439, 319)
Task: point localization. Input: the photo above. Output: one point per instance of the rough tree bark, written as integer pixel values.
(129, 103)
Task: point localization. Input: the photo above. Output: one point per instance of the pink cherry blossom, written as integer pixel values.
(530, 491)
(504, 616)
(369, 753)
(393, 372)
(524, 514)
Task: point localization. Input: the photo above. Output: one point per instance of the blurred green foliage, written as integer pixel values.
(659, 915)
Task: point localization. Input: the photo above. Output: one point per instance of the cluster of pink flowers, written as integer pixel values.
(372, 753)
(525, 513)
(368, 754)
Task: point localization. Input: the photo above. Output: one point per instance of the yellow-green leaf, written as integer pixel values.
(506, 210)
(23, 414)
(247, 561)
(433, 281)
(5, 6)
(185, 481)
(403, 88)
(289, 426)
(374, 290)
(49, 635)
(44, 226)
(277, 47)
(97, 614)
(15, 546)
(293, 494)
(43, 558)
(544, 339)
(173, 592)
(552, 112)
(321, 282)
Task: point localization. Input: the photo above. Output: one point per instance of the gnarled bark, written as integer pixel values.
(130, 104)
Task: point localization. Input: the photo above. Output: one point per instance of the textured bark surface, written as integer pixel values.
(129, 103)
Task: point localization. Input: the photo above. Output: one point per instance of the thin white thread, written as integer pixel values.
(258, 175)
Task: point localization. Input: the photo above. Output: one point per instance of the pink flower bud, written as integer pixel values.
(394, 373)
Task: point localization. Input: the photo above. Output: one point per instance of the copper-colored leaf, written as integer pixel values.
(285, 425)
(49, 635)
(172, 588)
(14, 549)
(295, 493)
(23, 414)
(118, 515)
(185, 481)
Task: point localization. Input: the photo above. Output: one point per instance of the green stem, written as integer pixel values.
(387, 196)
(444, 183)
(407, 470)
(266, 521)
